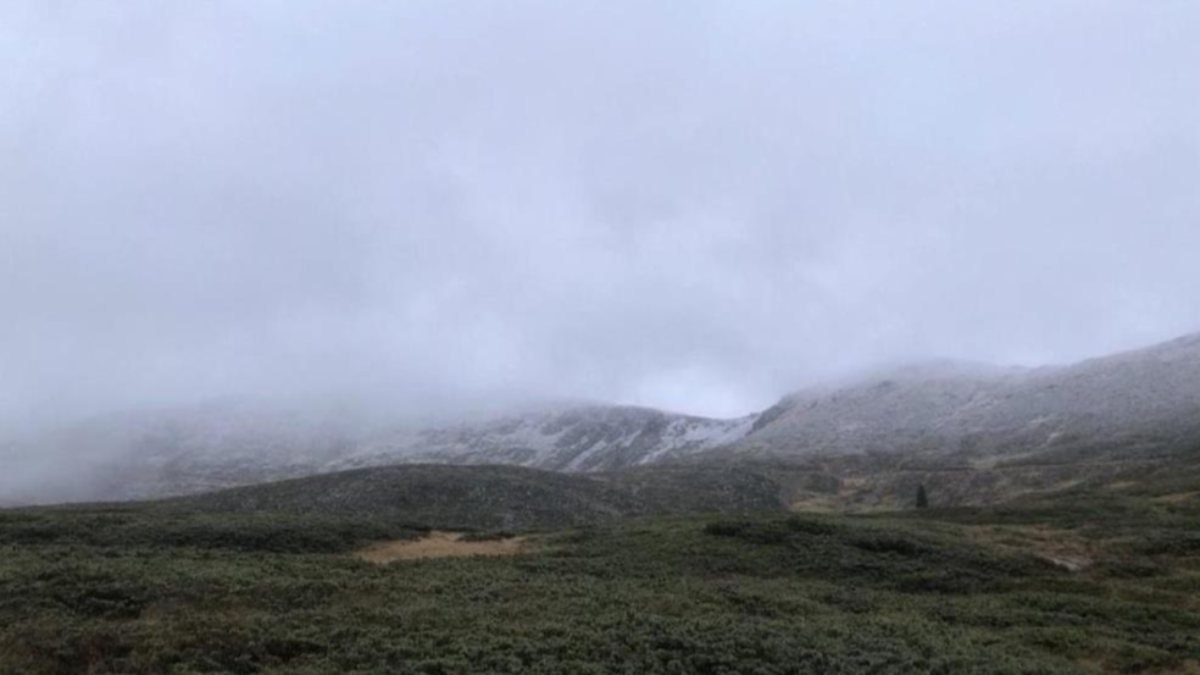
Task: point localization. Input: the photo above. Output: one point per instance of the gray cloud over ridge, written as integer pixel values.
(692, 205)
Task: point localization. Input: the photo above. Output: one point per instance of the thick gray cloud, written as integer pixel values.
(692, 205)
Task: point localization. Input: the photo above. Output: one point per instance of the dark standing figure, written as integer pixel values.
(922, 498)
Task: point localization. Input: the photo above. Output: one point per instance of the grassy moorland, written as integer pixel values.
(496, 497)
(1087, 581)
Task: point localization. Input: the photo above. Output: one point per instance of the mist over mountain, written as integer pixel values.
(693, 209)
(392, 233)
(946, 407)
(1135, 405)
(599, 336)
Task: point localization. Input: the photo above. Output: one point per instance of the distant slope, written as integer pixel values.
(190, 450)
(1143, 401)
(497, 497)
(1137, 406)
(173, 451)
(589, 438)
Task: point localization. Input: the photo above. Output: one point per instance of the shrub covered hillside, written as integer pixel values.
(147, 590)
(496, 497)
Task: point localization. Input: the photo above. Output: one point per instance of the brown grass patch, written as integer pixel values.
(1178, 498)
(1063, 548)
(440, 545)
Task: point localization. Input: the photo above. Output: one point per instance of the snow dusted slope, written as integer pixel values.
(1145, 398)
(188, 450)
(590, 438)
(1128, 406)
(901, 409)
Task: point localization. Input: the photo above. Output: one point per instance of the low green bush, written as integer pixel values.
(148, 591)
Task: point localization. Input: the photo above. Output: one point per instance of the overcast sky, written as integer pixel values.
(696, 205)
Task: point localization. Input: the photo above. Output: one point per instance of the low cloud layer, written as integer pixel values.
(691, 205)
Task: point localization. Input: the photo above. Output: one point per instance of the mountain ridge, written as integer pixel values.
(1133, 403)
(1129, 390)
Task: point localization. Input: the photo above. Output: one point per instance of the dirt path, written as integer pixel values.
(439, 544)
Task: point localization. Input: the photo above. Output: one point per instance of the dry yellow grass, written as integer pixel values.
(439, 544)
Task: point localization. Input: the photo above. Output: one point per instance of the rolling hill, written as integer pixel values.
(496, 497)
